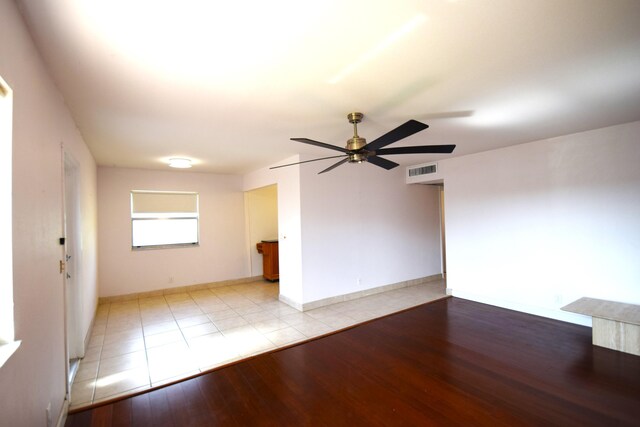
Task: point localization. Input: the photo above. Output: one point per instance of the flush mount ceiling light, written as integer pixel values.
(180, 163)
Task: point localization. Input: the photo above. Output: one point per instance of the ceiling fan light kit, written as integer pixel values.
(358, 151)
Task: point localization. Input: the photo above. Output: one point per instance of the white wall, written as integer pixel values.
(536, 226)
(261, 212)
(35, 375)
(363, 227)
(221, 254)
(357, 227)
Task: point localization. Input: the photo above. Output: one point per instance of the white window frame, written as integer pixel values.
(164, 215)
(8, 344)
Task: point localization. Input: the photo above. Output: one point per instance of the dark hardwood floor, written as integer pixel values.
(450, 362)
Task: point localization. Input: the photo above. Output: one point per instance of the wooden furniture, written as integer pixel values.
(269, 251)
(616, 325)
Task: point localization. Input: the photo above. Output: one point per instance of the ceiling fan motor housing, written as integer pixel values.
(355, 144)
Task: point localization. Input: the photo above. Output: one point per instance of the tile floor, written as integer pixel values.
(143, 343)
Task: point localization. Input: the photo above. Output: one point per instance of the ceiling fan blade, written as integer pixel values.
(319, 144)
(401, 132)
(383, 163)
(335, 165)
(416, 150)
(307, 161)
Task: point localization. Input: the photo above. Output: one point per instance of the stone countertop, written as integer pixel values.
(611, 310)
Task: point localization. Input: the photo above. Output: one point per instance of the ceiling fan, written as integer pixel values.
(358, 151)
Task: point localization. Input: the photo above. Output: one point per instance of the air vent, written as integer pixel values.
(423, 170)
(425, 173)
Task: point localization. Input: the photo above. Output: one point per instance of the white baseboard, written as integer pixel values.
(550, 313)
(62, 418)
(178, 289)
(366, 292)
(290, 302)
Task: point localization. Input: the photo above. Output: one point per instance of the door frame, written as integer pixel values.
(443, 240)
(74, 342)
(253, 236)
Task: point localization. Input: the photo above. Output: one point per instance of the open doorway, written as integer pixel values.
(7, 333)
(261, 213)
(71, 248)
(443, 240)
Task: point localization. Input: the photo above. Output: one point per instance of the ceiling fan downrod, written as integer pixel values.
(356, 143)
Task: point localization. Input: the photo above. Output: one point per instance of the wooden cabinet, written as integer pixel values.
(269, 251)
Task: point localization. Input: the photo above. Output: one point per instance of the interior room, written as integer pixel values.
(463, 154)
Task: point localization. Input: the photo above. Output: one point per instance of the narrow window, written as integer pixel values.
(163, 219)
(7, 339)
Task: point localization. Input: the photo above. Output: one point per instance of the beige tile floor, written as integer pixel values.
(143, 343)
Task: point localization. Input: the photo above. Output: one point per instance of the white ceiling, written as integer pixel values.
(228, 83)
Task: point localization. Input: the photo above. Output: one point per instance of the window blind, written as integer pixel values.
(163, 218)
(145, 202)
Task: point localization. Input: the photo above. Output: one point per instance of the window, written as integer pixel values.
(163, 218)
(7, 340)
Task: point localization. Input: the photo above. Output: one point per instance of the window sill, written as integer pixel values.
(6, 350)
(171, 246)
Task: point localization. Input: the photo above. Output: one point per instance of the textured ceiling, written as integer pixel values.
(228, 83)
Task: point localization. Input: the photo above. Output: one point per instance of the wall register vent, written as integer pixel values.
(423, 170)
(425, 173)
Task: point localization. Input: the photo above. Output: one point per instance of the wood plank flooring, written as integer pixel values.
(450, 362)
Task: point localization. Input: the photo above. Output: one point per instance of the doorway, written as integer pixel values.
(7, 335)
(443, 240)
(261, 213)
(71, 251)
